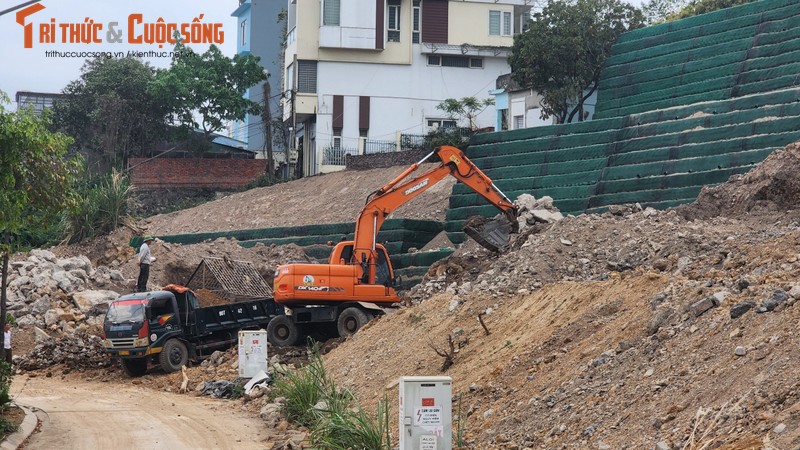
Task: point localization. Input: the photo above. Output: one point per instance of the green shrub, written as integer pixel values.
(102, 207)
(353, 430)
(6, 376)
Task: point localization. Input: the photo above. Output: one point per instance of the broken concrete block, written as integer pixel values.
(700, 307)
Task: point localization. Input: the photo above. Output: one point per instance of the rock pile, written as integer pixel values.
(60, 295)
(78, 351)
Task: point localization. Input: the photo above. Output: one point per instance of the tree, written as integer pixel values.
(34, 172)
(110, 112)
(697, 7)
(466, 108)
(209, 87)
(656, 11)
(561, 53)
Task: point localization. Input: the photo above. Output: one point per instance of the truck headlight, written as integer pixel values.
(141, 342)
(107, 343)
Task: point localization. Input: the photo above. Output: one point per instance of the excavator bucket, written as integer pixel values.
(492, 234)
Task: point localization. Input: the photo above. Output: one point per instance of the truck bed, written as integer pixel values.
(234, 316)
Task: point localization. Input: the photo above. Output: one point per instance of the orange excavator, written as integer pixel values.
(358, 282)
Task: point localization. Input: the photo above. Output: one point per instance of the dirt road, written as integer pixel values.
(91, 415)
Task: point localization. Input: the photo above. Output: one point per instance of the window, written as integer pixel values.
(455, 61)
(330, 12)
(519, 122)
(337, 139)
(307, 76)
(290, 81)
(499, 23)
(243, 31)
(435, 124)
(393, 25)
(415, 32)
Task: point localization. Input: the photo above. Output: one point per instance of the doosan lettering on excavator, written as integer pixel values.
(358, 282)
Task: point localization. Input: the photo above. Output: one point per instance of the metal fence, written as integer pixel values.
(374, 146)
(335, 156)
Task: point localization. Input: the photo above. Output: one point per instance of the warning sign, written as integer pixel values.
(428, 402)
(427, 443)
(428, 416)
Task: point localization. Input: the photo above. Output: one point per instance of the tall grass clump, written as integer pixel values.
(310, 393)
(102, 207)
(337, 422)
(354, 430)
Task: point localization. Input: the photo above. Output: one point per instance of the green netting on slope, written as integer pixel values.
(711, 121)
(668, 181)
(693, 26)
(696, 46)
(726, 31)
(787, 81)
(717, 107)
(592, 126)
(526, 154)
(545, 168)
(410, 236)
(419, 259)
(541, 144)
(300, 231)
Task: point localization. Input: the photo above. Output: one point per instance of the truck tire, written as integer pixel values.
(351, 320)
(134, 367)
(282, 331)
(173, 356)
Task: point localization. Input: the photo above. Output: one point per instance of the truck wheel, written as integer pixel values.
(282, 331)
(350, 321)
(134, 367)
(173, 356)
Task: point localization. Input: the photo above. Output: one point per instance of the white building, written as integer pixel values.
(362, 72)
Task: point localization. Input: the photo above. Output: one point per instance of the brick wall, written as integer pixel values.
(194, 172)
(373, 160)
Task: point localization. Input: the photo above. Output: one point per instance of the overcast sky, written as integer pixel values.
(30, 69)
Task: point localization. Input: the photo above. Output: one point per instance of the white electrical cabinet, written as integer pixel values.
(426, 409)
(252, 352)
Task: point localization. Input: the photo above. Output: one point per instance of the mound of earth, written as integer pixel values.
(772, 186)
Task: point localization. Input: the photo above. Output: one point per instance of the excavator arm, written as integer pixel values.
(397, 192)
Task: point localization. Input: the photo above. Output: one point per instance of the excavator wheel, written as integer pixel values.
(282, 331)
(350, 321)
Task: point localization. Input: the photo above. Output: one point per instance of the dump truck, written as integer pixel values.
(171, 326)
(358, 282)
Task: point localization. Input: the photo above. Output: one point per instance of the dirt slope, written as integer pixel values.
(599, 333)
(329, 198)
(611, 331)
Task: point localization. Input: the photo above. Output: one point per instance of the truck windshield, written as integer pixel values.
(126, 311)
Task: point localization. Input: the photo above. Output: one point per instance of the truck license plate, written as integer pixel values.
(124, 353)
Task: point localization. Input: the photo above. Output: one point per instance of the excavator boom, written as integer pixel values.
(385, 200)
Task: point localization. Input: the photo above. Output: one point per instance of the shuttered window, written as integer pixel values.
(307, 76)
(330, 12)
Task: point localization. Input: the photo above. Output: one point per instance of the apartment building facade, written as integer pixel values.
(258, 32)
(361, 71)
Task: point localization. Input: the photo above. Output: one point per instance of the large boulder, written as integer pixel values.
(87, 301)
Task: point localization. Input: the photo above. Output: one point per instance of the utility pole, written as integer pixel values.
(267, 118)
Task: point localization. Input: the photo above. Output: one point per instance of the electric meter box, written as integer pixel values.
(426, 409)
(252, 352)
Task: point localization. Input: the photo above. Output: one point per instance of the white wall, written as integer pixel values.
(401, 96)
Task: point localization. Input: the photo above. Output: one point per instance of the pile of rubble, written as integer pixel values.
(60, 296)
(77, 351)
